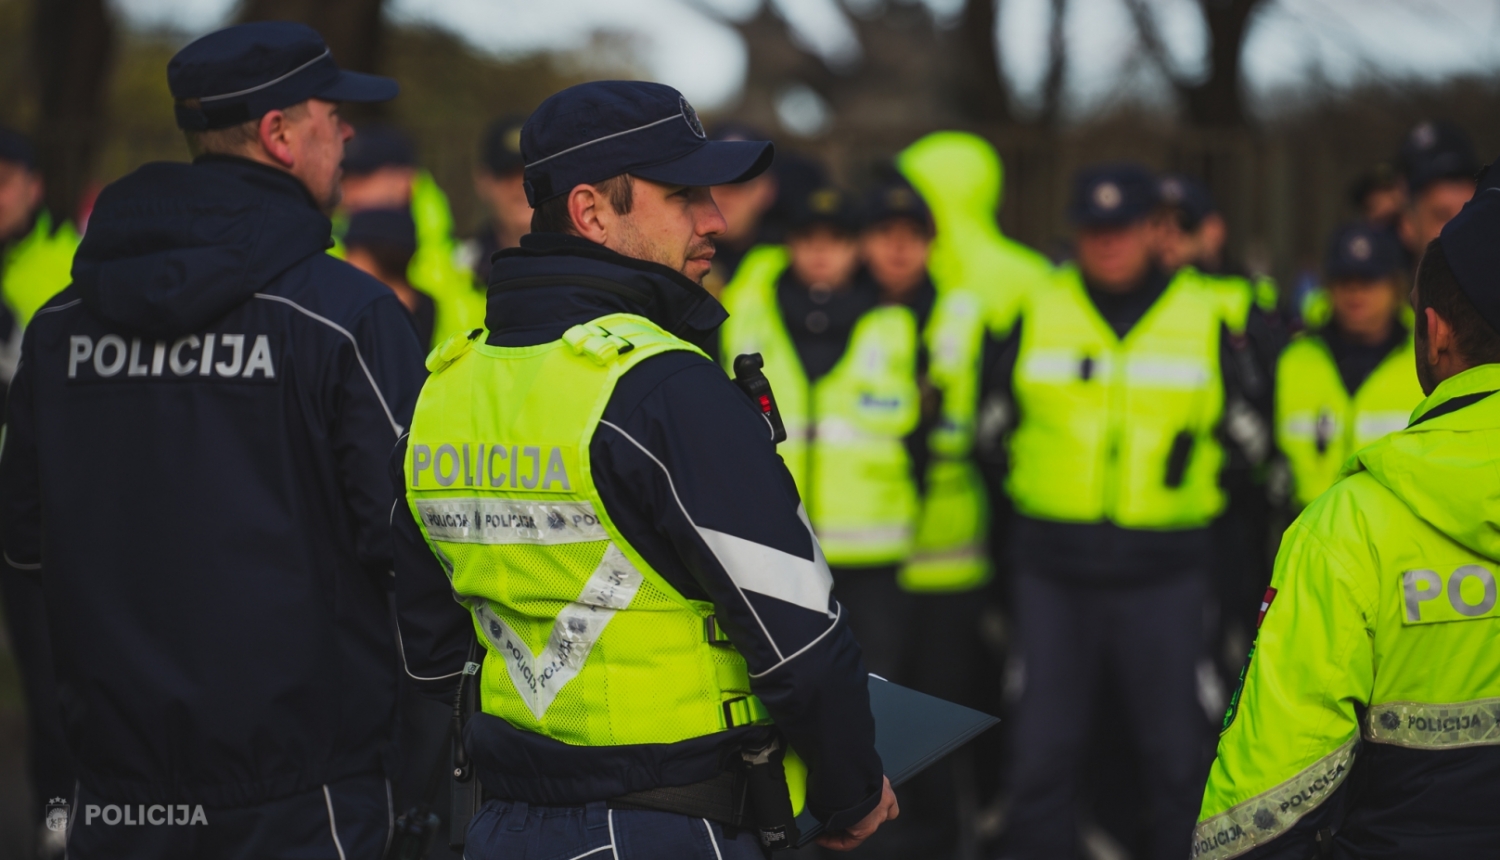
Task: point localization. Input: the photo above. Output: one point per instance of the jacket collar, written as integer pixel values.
(553, 282)
(262, 176)
(1471, 385)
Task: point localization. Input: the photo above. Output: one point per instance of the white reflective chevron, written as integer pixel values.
(510, 521)
(540, 677)
(769, 571)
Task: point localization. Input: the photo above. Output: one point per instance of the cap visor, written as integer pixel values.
(717, 162)
(359, 87)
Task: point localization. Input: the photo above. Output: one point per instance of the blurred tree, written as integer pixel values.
(1216, 97)
(73, 48)
(982, 91)
(1057, 66)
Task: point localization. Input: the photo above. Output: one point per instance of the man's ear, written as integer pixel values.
(587, 209)
(275, 138)
(1439, 336)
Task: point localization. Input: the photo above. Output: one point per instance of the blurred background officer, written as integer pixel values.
(744, 206)
(1438, 163)
(34, 266)
(1196, 235)
(381, 172)
(666, 579)
(213, 401)
(500, 184)
(844, 369)
(1381, 620)
(380, 243)
(1343, 387)
(1121, 387)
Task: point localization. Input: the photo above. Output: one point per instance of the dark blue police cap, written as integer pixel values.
(376, 146)
(828, 206)
(1361, 250)
(500, 150)
(16, 148)
(1468, 242)
(896, 198)
(592, 132)
(240, 73)
(1112, 195)
(1189, 197)
(392, 228)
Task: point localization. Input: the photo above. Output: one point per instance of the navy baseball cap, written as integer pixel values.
(392, 228)
(828, 206)
(16, 148)
(1468, 241)
(1361, 250)
(1435, 150)
(500, 150)
(1189, 197)
(243, 72)
(595, 131)
(1112, 195)
(895, 198)
(377, 146)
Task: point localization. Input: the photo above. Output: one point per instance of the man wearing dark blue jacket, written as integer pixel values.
(607, 734)
(192, 469)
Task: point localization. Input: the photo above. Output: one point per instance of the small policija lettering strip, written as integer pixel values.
(509, 521)
(1426, 726)
(1264, 817)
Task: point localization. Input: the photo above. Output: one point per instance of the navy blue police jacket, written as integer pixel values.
(194, 468)
(680, 449)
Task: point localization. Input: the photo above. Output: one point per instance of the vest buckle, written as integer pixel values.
(597, 342)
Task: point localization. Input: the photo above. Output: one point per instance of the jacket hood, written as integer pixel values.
(1446, 465)
(554, 281)
(174, 246)
(957, 173)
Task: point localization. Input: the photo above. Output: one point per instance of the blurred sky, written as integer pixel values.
(685, 42)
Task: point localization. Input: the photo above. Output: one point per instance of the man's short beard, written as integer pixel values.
(630, 244)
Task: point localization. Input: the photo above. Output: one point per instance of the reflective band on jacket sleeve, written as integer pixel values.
(1264, 817)
(507, 521)
(539, 677)
(1373, 425)
(1423, 726)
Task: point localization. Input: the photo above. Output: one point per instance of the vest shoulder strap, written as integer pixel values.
(609, 339)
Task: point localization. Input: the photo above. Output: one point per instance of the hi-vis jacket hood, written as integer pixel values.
(174, 246)
(1446, 466)
(960, 176)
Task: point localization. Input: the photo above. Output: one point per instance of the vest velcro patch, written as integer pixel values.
(509, 521)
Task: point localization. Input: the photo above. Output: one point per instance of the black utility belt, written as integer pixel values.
(751, 795)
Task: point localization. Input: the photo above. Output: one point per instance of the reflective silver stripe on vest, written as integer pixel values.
(1264, 817)
(1422, 726)
(508, 521)
(540, 677)
(1166, 371)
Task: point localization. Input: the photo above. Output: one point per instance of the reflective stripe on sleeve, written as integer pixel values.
(1419, 725)
(1268, 815)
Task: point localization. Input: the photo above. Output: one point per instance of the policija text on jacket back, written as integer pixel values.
(194, 469)
(610, 512)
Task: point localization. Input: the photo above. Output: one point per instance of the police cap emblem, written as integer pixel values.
(1107, 196)
(1359, 248)
(1424, 135)
(691, 116)
(824, 201)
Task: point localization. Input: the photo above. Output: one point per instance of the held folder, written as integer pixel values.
(912, 732)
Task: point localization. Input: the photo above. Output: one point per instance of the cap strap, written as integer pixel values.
(327, 52)
(604, 138)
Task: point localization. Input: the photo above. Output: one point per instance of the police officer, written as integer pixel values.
(500, 183)
(744, 206)
(1342, 388)
(33, 268)
(1122, 385)
(611, 513)
(381, 172)
(844, 367)
(1438, 164)
(192, 470)
(381, 243)
(1366, 723)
